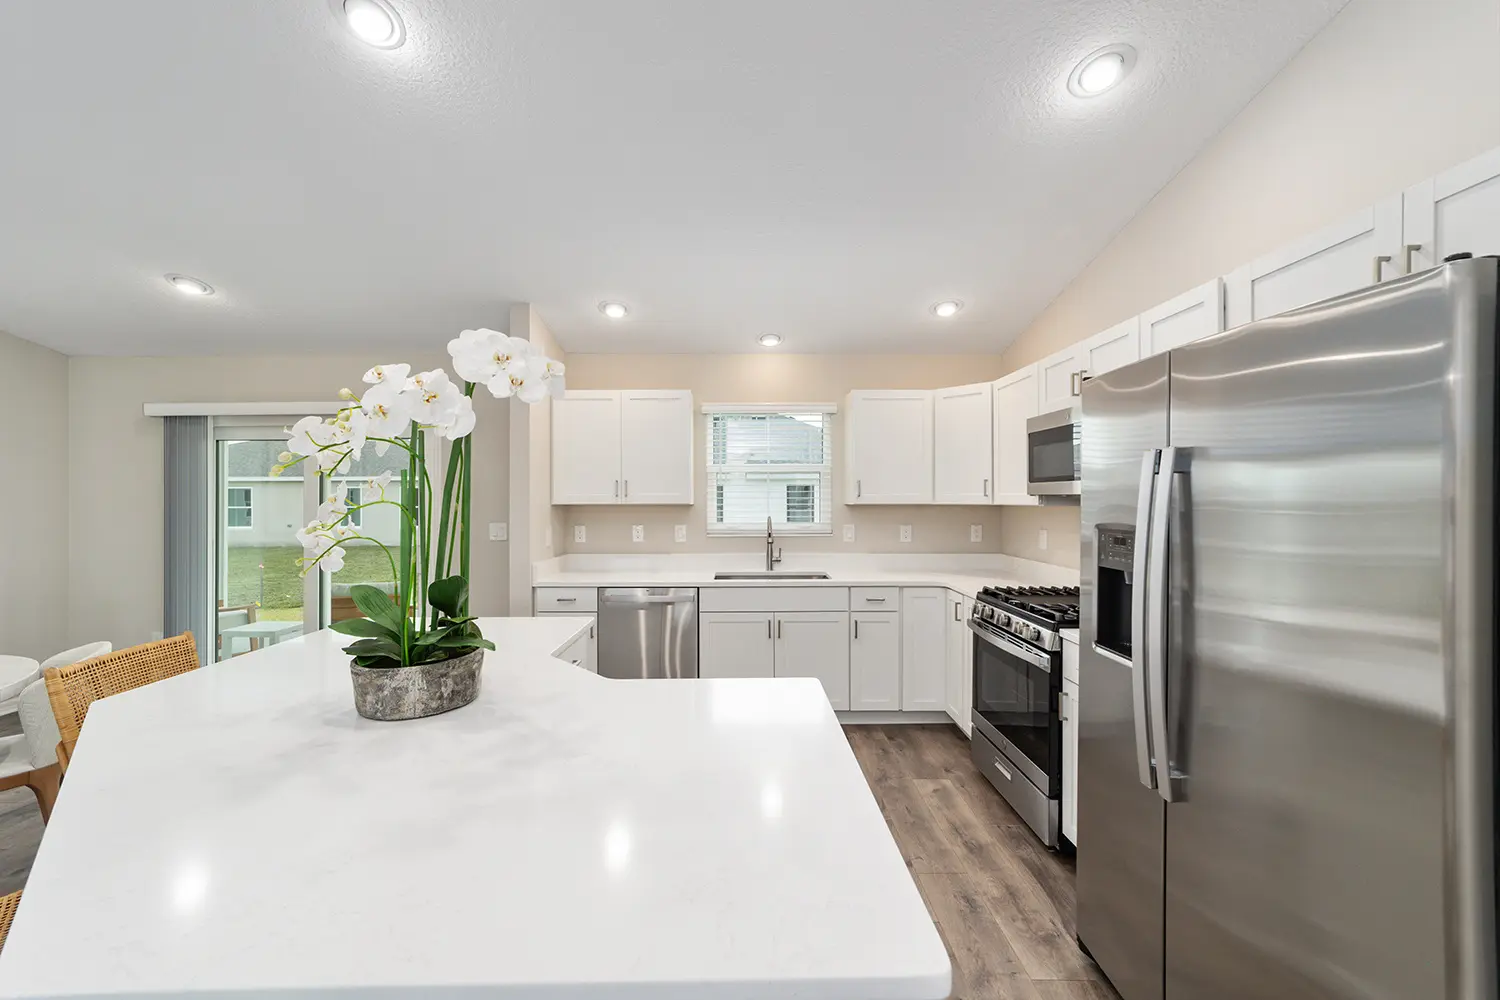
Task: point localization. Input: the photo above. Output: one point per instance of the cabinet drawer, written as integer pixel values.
(875, 598)
(566, 599)
(773, 598)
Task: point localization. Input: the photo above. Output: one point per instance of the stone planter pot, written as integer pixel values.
(392, 693)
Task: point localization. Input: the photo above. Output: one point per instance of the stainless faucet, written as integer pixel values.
(772, 558)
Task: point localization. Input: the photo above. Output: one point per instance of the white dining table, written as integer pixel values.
(565, 835)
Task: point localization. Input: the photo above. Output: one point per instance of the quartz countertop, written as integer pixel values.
(239, 830)
(1069, 635)
(965, 574)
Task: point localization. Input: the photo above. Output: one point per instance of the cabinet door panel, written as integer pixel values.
(924, 648)
(1116, 347)
(656, 434)
(1454, 212)
(889, 435)
(953, 682)
(731, 644)
(962, 453)
(875, 662)
(1059, 381)
(815, 644)
(1184, 319)
(586, 447)
(1016, 401)
(1354, 253)
(1070, 761)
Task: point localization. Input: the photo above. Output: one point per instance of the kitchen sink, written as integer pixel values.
(773, 575)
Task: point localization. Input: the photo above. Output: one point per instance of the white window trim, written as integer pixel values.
(248, 506)
(825, 470)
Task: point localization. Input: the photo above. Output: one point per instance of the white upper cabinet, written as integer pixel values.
(1016, 398)
(1189, 317)
(1060, 379)
(656, 446)
(1116, 347)
(586, 447)
(1456, 211)
(961, 447)
(633, 446)
(1354, 253)
(888, 446)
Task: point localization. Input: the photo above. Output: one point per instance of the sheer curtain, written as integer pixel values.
(188, 530)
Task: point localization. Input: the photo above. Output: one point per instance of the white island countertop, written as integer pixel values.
(238, 830)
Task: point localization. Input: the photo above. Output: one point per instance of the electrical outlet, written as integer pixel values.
(637, 532)
(1041, 539)
(906, 532)
(976, 532)
(848, 532)
(497, 531)
(679, 533)
(580, 533)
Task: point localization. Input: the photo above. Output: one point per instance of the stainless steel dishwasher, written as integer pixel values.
(648, 632)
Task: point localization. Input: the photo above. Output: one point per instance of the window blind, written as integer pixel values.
(765, 462)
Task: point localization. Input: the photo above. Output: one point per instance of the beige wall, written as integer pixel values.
(33, 502)
(778, 378)
(1391, 92)
(114, 565)
(535, 526)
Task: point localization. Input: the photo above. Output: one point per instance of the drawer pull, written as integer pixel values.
(1003, 770)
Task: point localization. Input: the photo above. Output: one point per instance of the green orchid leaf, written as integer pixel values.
(433, 636)
(377, 662)
(375, 647)
(377, 605)
(449, 595)
(366, 628)
(466, 642)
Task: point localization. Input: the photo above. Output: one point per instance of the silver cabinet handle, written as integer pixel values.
(986, 487)
(1382, 259)
(1139, 598)
(768, 628)
(858, 489)
(617, 489)
(566, 600)
(877, 600)
(778, 628)
(627, 489)
(856, 628)
(1075, 383)
(591, 631)
(958, 608)
(1406, 255)
(1062, 707)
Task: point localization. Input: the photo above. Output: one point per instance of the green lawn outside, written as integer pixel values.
(278, 588)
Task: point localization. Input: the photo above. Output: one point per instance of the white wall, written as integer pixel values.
(33, 499)
(114, 561)
(535, 527)
(777, 378)
(1391, 92)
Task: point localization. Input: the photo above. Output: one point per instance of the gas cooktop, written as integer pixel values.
(1035, 614)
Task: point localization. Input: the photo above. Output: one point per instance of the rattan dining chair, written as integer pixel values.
(72, 689)
(8, 906)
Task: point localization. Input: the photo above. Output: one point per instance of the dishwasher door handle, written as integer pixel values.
(641, 602)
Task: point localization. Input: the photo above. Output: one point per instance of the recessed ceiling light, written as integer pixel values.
(943, 310)
(614, 310)
(189, 286)
(769, 340)
(375, 22)
(1101, 70)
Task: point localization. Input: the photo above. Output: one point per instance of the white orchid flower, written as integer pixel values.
(351, 427)
(333, 510)
(552, 374)
(435, 398)
(461, 420)
(395, 374)
(479, 355)
(378, 484)
(309, 435)
(387, 412)
(320, 545)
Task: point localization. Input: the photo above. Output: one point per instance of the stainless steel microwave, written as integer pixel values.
(1053, 462)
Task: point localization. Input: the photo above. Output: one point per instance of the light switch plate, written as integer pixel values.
(976, 532)
(679, 532)
(906, 532)
(497, 531)
(580, 533)
(1041, 539)
(848, 532)
(637, 532)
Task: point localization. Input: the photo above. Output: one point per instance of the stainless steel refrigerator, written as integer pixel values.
(1286, 769)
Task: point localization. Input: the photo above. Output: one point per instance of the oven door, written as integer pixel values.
(1015, 704)
(1052, 454)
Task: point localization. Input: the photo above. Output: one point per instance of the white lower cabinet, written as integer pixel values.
(584, 650)
(1069, 713)
(736, 644)
(815, 644)
(960, 662)
(924, 649)
(875, 661)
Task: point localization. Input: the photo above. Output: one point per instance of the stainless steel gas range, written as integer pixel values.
(1017, 740)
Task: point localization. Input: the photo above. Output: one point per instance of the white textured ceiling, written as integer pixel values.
(823, 169)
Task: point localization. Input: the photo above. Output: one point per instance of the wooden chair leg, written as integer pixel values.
(45, 782)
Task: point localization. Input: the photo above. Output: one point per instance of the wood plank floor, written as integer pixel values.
(1002, 902)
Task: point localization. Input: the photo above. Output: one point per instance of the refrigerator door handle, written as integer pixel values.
(1174, 461)
(1138, 602)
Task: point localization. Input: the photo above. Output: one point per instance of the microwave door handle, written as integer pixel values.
(1173, 461)
(1138, 601)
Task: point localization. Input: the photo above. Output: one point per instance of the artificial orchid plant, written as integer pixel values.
(396, 630)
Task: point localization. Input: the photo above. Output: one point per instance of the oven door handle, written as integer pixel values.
(1036, 658)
